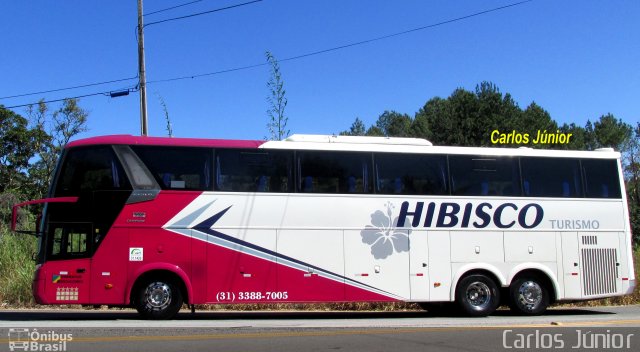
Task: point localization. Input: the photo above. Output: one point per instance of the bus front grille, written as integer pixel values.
(599, 271)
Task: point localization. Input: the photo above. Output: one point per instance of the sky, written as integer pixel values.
(576, 59)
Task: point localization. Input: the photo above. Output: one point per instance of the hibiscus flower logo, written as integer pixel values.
(383, 235)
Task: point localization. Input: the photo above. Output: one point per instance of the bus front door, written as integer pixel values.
(66, 273)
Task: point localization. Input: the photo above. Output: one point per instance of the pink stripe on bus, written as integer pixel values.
(166, 141)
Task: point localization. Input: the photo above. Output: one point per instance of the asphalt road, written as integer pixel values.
(594, 329)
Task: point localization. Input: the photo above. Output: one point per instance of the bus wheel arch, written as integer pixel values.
(159, 294)
(477, 293)
(531, 291)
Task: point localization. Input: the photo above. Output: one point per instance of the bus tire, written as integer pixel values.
(158, 298)
(528, 295)
(477, 295)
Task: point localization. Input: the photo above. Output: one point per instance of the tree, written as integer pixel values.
(611, 132)
(16, 149)
(277, 100)
(579, 139)
(166, 115)
(533, 119)
(357, 129)
(52, 132)
(394, 124)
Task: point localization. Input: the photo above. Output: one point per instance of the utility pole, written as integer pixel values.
(141, 74)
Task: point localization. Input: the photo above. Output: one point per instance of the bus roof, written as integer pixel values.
(343, 143)
(165, 141)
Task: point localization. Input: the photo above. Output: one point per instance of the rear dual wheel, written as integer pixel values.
(477, 295)
(528, 295)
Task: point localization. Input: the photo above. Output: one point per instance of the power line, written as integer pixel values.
(69, 88)
(171, 8)
(362, 42)
(135, 77)
(366, 41)
(202, 13)
(107, 93)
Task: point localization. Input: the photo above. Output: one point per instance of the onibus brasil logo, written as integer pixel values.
(33, 340)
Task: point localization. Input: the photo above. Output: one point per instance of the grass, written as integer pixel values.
(17, 268)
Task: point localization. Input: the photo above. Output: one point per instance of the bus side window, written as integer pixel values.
(181, 168)
(69, 240)
(91, 169)
(551, 177)
(601, 178)
(334, 172)
(484, 175)
(411, 174)
(253, 171)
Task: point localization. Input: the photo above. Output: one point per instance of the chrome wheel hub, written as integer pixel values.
(479, 295)
(530, 295)
(158, 295)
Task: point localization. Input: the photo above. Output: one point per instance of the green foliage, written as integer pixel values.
(52, 132)
(611, 132)
(16, 149)
(28, 154)
(166, 115)
(277, 100)
(357, 129)
(16, 268)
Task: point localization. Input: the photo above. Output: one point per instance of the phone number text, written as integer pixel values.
(251, 296)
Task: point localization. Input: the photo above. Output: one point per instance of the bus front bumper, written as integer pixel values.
(37, 287)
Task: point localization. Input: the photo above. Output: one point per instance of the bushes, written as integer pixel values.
(16, 268)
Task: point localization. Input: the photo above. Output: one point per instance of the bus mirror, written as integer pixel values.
(14, 210)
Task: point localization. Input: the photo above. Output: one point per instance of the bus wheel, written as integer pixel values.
(477, 295)
(158, 299)
(528, 296)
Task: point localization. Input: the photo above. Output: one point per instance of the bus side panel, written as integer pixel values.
(319, 274)
(199, 267)
(385, 271)
(625, 261)
(66, 281)
(242, 271)
(570, 262)
(109, 268)
(419, 265)
(158, 248)
(439, 266)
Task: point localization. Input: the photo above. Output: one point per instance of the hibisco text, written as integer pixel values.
(449, 215)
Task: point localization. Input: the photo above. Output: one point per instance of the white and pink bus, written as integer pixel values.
(156, 223)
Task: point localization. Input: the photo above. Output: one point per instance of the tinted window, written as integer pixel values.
(334, 172)
(178, 168)
(253, 171)
(601, 178)
(411, 174)
(551, 177)
(91, 169)
(484, 175)
(69, 241)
